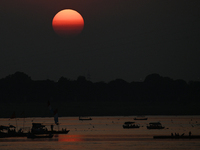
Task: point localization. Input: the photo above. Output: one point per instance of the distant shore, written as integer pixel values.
(156, 95)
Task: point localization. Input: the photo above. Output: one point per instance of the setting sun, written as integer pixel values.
(68, 23)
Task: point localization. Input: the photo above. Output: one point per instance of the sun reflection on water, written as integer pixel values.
(70, 138)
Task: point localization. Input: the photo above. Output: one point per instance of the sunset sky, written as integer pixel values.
(127, 39)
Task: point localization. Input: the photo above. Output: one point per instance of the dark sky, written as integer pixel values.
(127, 39)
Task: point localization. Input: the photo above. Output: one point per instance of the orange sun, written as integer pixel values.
(68, 23)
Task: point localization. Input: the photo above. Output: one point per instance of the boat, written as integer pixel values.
(10, 131)
(129, 124)
(84, 118)
(140, 118)
(38, 128)
(177, 137)
(155, 125)
(33, 136)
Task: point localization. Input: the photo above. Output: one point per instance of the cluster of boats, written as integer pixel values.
(158, 125)
(151, 125)
(38, 130)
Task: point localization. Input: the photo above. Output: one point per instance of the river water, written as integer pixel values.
(106, 133)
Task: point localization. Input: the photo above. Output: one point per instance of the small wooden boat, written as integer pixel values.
(155, 125)
(84, 118)
(140, 118)
(9, 131)
(38, 128)
(128, 125)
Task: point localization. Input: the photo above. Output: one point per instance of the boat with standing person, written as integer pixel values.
(39, 128)
(177, 136)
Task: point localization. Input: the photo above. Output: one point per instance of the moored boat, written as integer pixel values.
(155, 125)
(10, 131)
(38, 128)
(140, 118)
(129, 124)
(84, 118)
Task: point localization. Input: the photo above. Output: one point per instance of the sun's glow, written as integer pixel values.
(68, 23)
(71, 138)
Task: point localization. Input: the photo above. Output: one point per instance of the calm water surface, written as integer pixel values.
(106, 133)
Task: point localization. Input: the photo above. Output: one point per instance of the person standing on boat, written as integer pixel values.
(51, 127)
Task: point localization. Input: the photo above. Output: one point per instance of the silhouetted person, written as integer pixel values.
(51, 127)
(172, 134)
(190, 133)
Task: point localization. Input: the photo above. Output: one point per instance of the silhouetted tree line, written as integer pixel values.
(19, 87)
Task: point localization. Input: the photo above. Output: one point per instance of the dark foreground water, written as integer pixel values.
(106, 133)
